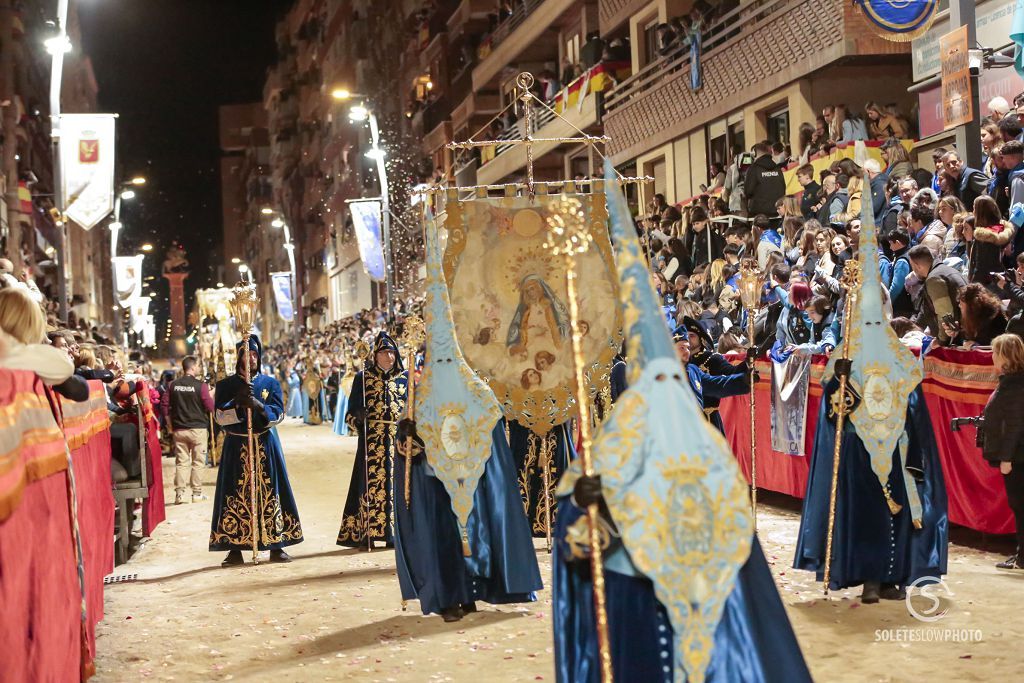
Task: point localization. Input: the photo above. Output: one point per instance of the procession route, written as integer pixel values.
(335, 614)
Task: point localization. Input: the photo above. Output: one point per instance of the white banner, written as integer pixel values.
(140, 312)
(148, 331)
(87, 166)
(366, 220)
(282, 284)
(128, 277)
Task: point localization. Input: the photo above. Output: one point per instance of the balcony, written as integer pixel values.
(613, 13)
(748, 53)
(470, 18)
(437, 138)
(521, 37)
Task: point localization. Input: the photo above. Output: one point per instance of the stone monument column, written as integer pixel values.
(176, 272)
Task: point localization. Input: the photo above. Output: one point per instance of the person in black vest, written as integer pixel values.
(764, 183)
(188, 404)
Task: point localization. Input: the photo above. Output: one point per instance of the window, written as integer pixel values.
(778, 127)
(650, 46)
(736, 135)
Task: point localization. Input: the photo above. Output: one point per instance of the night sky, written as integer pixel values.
(165, 66)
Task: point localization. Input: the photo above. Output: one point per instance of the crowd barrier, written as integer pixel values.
(47, 629)
(956, 384)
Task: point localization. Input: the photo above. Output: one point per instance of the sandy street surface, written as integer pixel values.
(334, 614)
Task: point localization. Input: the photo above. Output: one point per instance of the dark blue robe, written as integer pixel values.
(428, 547)
(526, 452)
(869, 543)
(754, 641)
(369, 507)
(279, 524)
(729, 380)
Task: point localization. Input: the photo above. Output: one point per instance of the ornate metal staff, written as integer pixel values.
(362, 353)
(852, 280)
(413, 336)
(568, 238)
(750, 290)
(244, 303)
(545, 473)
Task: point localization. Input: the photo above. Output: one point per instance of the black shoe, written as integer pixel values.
(233, 559)
(468, 607)
(1012, 562)
(451, 614)
(890, 591)
(870, 594)
(280, 556)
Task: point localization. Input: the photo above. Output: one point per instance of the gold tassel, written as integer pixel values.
(894, 507)
(466, 552)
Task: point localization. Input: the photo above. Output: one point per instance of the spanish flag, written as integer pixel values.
(24, 197)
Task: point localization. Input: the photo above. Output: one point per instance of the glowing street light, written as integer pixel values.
(58, 45)
(128, 194)
(267, 211)
(138, 180)
(341, 94)
(358, 113)
(236, 260)
(147, 247)
(277, 223)
(376, 153)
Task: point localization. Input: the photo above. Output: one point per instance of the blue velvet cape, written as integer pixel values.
(340, 425)
(294, 395)
(861, 546)
(279, 524)
(431, 566)
(754, 641)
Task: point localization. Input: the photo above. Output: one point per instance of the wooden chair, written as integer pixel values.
(131, 489)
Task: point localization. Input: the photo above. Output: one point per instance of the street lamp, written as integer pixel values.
(341, 94)
(127, 194)
(277, 223)
(147, 247)
(267, 211)
(236, 260)
(138, 180)
(58, 45)
(357, 114)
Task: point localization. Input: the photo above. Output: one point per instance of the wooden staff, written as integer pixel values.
(569, 237)
(244, 304)
(413, 335)
(851, 282)
(363, 352)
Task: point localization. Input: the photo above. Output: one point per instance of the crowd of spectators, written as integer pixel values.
(949, 239)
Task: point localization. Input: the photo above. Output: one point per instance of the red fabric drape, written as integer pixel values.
(957, 383)
(153, 509)
(39, 587)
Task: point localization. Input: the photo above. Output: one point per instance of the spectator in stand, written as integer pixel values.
(981, 318)
(904, 191)
(877, 181)
(763, 184)
(846, 126)
(735, 176)
(899, 296)
(701, 239)
(792, 231)
(769, 240)
(809, 198)
(1018, 104)
(780, 154)
(948, 208)
(937, 154)
(1010, 128)
(898, 164)
(991, 234)
(668, 39)
(829, 188)
(549, 85)
(808, 257)
(1012, 154)
(820, 139)
(942, 285)
(925, 228)
(1011, 286)
(967, 183)
(717, 177)
(990, 137)
(997, 108)
(841, 199)
(805, 142)
(882, 125)
(591, 51)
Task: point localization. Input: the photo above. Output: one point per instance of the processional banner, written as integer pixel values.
(282, 283)
(128, 278)
(508, 295)
(366, 221)
(87, 166)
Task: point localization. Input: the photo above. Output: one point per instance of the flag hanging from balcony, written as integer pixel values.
(900, 21)
(282, 283)
(366, 221)
(87, 166)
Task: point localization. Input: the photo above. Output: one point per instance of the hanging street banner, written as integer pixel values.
(366, 220)
(140, 313)
(128, 278)
(956, 79)
(87, 166)
(282, 284)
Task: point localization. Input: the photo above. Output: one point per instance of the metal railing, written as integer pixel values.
(724, 33)
(522, 12)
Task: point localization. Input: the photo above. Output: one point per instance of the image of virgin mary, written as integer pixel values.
(537, 299)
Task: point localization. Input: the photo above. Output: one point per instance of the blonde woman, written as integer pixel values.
(846, 126)
(882, 125)
(22, 331)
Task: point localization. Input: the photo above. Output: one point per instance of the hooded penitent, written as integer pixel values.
(673, 488)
